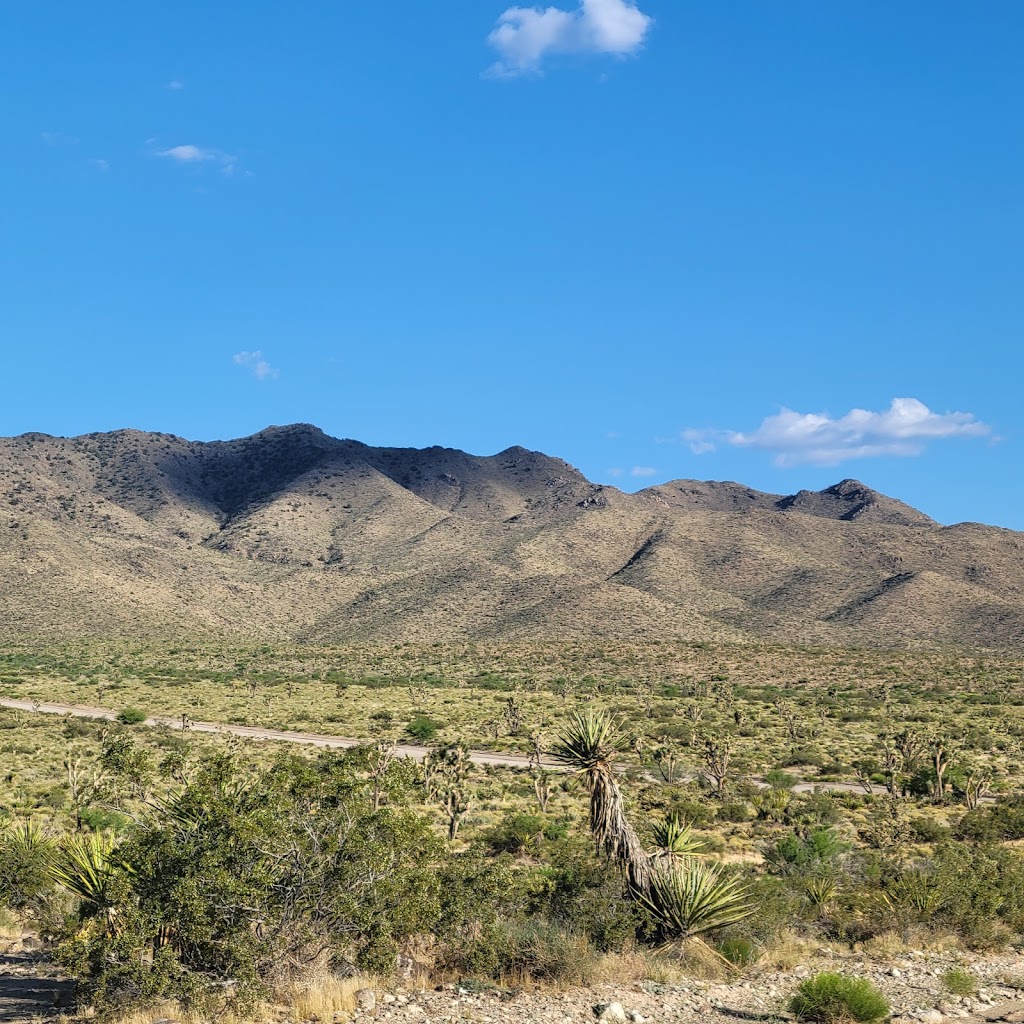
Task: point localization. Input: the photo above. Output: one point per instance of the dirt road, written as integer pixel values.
(310, 739)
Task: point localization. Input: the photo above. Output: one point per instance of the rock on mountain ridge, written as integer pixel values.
(292, 534)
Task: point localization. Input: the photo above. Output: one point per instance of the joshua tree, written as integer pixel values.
(541, 777)
(514, 715)
(717, 754)
(589, 745)
(383, 753)
(941, 756)
(911, 748)
(446, 771)
(666, 757)
(977, 784)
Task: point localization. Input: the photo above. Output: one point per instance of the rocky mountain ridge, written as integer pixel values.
(291, 534)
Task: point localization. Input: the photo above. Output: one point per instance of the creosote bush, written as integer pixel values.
(837, 999)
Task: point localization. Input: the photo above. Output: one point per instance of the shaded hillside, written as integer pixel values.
(294, 534)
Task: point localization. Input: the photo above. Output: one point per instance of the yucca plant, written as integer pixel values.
(673, 840)
(88, 868)
(688, 898)
(25, 856)
(820, 892)
(589, 746)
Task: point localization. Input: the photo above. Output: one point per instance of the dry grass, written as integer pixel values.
(322, 998)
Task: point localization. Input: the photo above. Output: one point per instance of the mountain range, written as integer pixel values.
(292, 535)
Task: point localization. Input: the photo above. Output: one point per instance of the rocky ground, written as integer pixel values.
(912, 982)
(31, 991)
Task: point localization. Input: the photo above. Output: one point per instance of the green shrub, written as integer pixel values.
(739, 951)
(422, 728)
(836, 999)
(532, 949)
(959, 982)
(928, 830)
(132, 716)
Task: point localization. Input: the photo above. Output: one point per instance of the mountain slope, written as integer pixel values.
(292, 534)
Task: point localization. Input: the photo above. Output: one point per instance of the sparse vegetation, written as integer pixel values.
(597, 846)
(836, 999)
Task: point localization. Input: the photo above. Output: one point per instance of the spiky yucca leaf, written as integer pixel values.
(86, 865)
(27, 840)
(674, 840)
(689, 897)
(588, 742)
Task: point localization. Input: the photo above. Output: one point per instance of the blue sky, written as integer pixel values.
(661, 241)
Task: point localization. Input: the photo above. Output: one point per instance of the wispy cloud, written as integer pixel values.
(197, 155)
(254, 361)
(904, 429)
(525, 36)
(643, 471)
(58, 139)
(175, 85)
(99, 164)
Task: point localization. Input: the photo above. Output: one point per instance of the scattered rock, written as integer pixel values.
(366, 1000)
(610, 1012)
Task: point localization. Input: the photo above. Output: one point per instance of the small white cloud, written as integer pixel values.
(525, 36)
(175, 85)
(58, 139)
(188, 154)
(904, 429)
(99, 164)
(254, 361)
(643, 471)
(616, 472)
(199, 155)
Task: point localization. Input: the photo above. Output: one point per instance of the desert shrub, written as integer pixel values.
(584, 895)
(739, 951)
(928, 830)
(997, 823)
(533, 949)
(132, 716)
(239, 873)
(422, 728)
(813, 851)
(959, 982)
(837, 999)
(779, 779)
(736, 811)
(519, 832)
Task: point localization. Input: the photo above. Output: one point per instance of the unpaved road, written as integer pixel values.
(310, 739)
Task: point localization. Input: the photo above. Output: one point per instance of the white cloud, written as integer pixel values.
(616, 472)
(904, 429)
(99, 164)
(524, 36)
(643, 471)
(261, 369)
(175, 85)
(198, 155)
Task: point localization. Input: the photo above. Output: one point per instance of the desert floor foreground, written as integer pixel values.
(30, 990)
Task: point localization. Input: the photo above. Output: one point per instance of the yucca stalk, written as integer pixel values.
(689, 897)
(86, 866)
(673, 840)
(589, 746)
